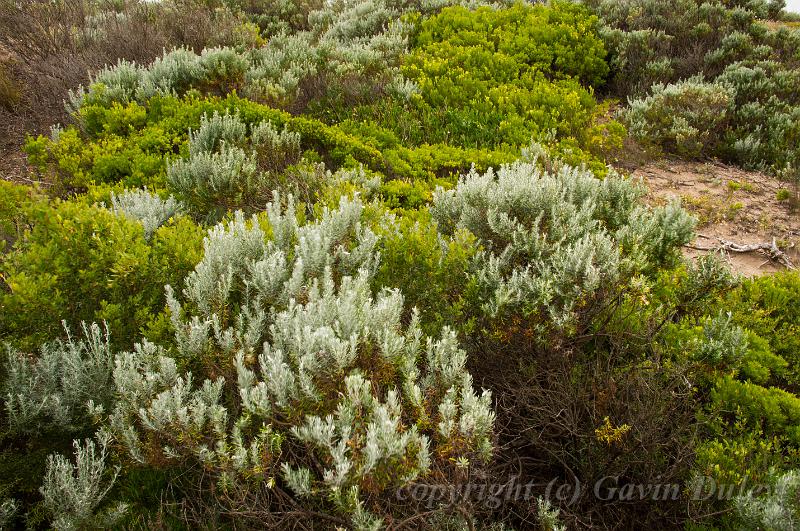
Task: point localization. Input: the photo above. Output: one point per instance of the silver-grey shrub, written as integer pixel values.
(553, 241)
(149, 209)
(216, 130)
(777, 509)
(303, 375)
(688, 117)
(73, 492)
(355, 43)
(214, 183)
(173, 73)
(62, 387)
(227, 171)
(749, 114)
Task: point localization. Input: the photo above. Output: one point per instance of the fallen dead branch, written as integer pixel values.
(770, 250)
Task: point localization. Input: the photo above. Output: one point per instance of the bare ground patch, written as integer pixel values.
(732, 205)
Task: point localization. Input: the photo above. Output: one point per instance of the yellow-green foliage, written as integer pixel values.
(472, 52)
(83, 262)
(768, 306)
(19, 205)
(430, 270)
(502, 76)
(125, 143)
(747, 369)
(497, 78)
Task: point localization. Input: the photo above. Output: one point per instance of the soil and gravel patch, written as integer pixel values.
(735, 209)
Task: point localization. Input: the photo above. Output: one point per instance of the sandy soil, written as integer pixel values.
(732, 204)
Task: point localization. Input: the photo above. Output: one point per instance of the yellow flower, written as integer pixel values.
(609, 434)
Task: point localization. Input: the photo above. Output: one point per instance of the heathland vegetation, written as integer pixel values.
(278, 263)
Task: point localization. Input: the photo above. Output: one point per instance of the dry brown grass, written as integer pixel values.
(49, 47)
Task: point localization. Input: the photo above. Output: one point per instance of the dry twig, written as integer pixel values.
(770, 250)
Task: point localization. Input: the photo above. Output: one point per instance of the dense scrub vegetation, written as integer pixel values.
(293, 268)
(715, 80)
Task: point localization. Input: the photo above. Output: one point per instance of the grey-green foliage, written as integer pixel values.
(707, 274)
(749, 114)
(119, 83)
(223, 65)
(149, 209)
(73, 492)
(715, 81)
(319, 362)
(723, 342)
(762, 8)
(688, 117)
(554, 240)
(765, 125)
(173, 73)
(275, 148)
(8, 510)
(214, 183)
(63, 386)
(225, 171)
(356, 42)
(548, 516)
(216, 130)
(342, 38)
(777, 510)
(648, 44)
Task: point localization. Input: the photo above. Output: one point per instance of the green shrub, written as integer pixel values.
(749, 413)
(557, 40)
(490, 77)
(134, 153)
(82, 262)
(407, 178)
(19, 207)
(433, 271)
(766, 307)
(772, 410)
